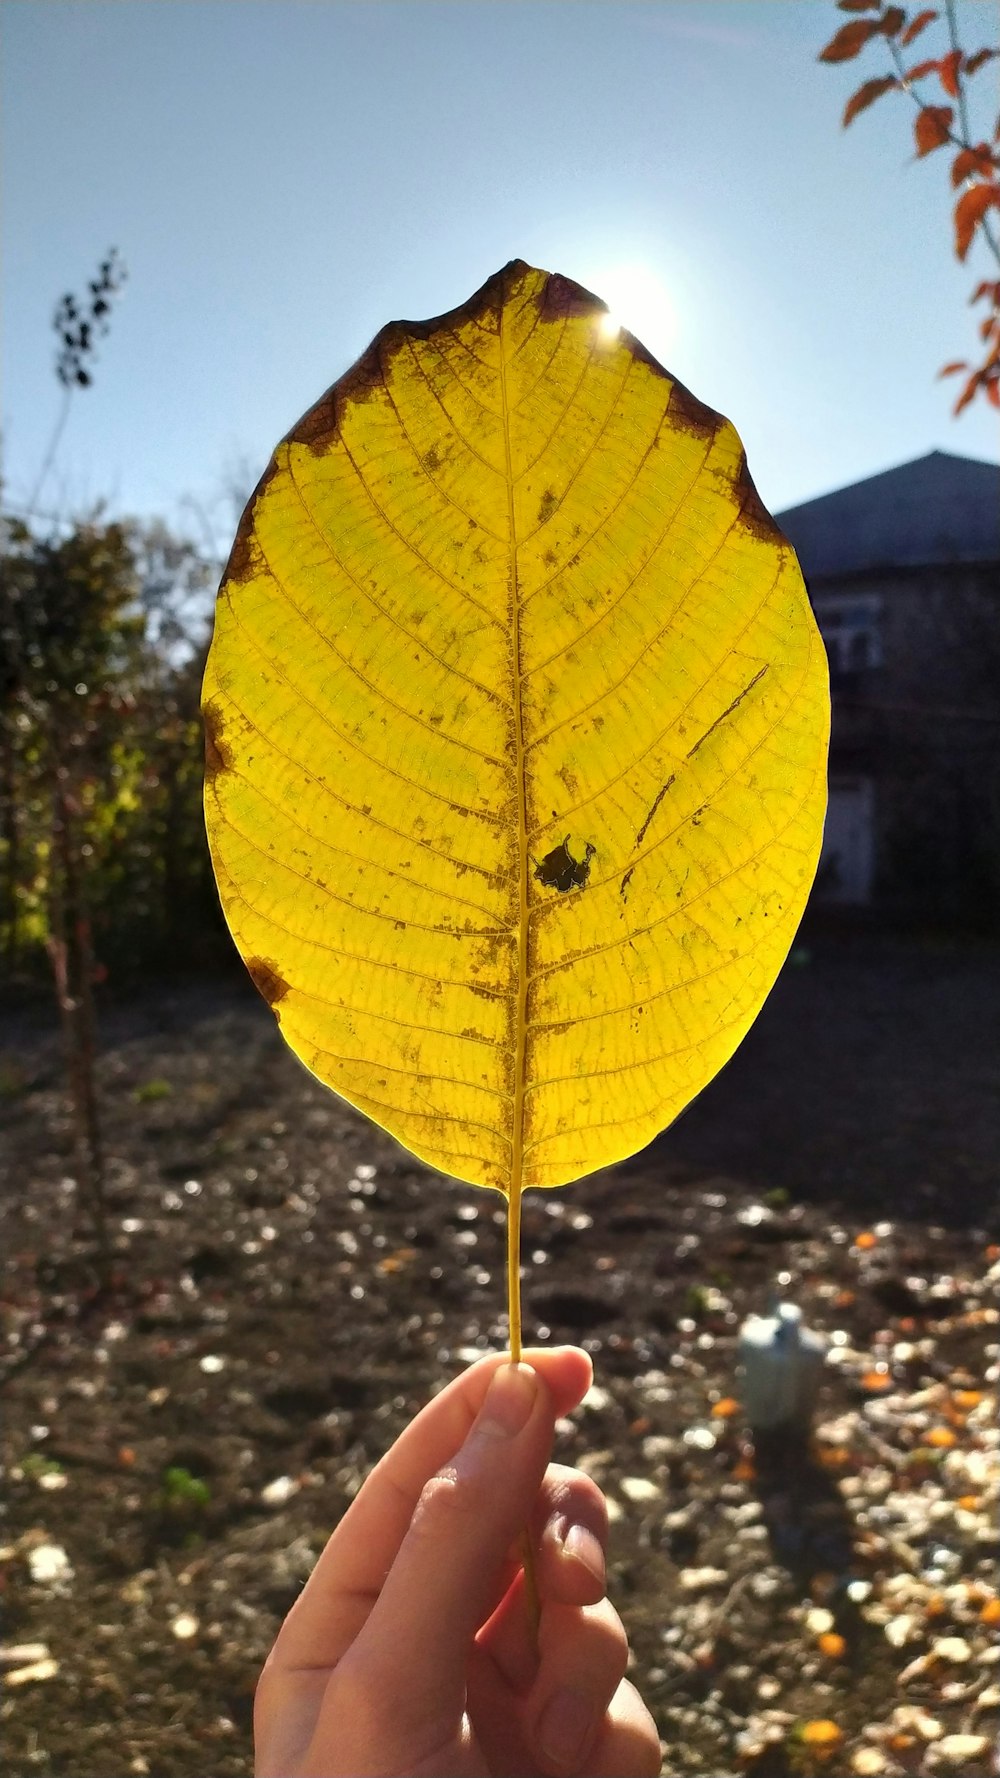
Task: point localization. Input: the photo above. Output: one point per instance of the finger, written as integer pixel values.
(583, 1655)
(351, 1571)
(569, 1533)
(627, 1742)
(559, 1715)
(415, 1645)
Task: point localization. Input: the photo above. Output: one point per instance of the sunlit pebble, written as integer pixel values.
(768, 1689)
(900, 1630)
(952, 1648)
(49, 1564)
(466, 1238)
(211, 1364)
(357, 1292)
(705, 1342)
(307, 1236)
(858, 1591)
(184, 1626)
(596, 1399)
(686, 1325)
(615, 1510)
(172, 1201)
(281, 1490)
(638, 1489)
(819, 1621)
(53, 1481)
(250, 1247)
(365, 1171)
(467, 1213)
(581, 1221)
(131, 1225)
(700, 1438)
(702, 1580)
(957, 1750)
(39, 1432)
(268, 1233)
(539, 1257)
(482, 1278)
(192, 1187)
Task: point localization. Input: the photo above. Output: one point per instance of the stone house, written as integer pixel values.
(903, 571)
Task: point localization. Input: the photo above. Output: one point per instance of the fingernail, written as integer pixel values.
(509, 1401)
(565, 1727)
(581, 1543)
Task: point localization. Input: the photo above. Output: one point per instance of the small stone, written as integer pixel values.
(36, 1670)
(279, 1491)
(211, 1364)
(952, 1648)
(698, 1580)
(184, 1626)
(868, 1762)
(638, 1489)
(957, 1750)
(53, 1480)
(16, 1654)
(615, 1510)
(819, 1621)
(914, 1719)
(900, 1630)
(596, 1399)
(49, 1564)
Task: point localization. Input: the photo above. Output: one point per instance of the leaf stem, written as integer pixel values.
(514, 1334)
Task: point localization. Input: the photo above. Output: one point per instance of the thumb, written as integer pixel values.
(443, 1583)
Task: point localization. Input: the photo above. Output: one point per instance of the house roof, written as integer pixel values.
(939, 509)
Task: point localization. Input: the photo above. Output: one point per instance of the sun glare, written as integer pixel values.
(638, 301)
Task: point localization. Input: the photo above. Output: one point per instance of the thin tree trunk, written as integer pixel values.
(72, 960)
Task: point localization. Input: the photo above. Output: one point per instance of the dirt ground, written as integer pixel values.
(291, 1286)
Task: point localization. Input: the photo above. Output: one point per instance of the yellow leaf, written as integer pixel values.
(516, 720)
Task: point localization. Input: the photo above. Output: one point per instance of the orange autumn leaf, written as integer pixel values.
(975, 62)
(850, 40)
(866, 1240)
(957, 364)
(821, 1733)
(876, 1381)
(969, 1503)
(726, 1408)
(920, 70)
(969, 212)
(890, 21)
(941, 1437)
(931, 127)
(970, 163)
(990, 1613)
(949, 68)
(915, 26)
(832, 1645)
(967, 1399)
(866, 95)
(858, 5)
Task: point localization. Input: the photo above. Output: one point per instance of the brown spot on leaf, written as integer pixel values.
(563, 298)
(560, 870)
(267, 979)
(218, 753)
(547, 506)
(569, 778)
(657, 800)
(685, 411)
(626, 880)
(754, 516)
(242, 561)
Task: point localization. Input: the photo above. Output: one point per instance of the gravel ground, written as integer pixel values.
(291, 1286)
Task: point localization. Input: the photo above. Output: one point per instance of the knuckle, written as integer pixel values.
(447, 1500)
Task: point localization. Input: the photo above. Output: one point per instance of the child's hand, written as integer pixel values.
(409, 1653)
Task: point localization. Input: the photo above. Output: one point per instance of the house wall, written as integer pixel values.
(914, 825)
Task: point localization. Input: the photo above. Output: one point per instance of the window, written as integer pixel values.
(851, 628)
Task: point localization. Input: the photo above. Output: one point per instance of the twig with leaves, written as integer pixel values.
(975, 169)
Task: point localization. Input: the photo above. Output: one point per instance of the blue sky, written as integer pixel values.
(283, 176)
